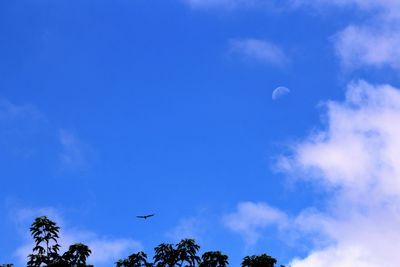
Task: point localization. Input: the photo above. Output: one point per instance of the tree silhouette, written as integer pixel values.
(45, 234)
(262, 260)
(187, 250)
(135, 260)
(214, 259)
(76, 255)
(165, 255)
(45, 252)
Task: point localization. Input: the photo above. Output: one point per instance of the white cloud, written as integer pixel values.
(377, 46)
(251, 219)
(75, 153)
(373, 42)
(22, 127)
(105, 250)
(259, 50)
(192, 227)
(356, 158)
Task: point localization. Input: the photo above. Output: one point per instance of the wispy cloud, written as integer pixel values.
(20, 125)
(258, 50)
(12, 111)
(373, 46)
(251, 219)
(371, 42)
(357, 157)
(105, 249)
(108, 250)
(191, 227)
(75, 153)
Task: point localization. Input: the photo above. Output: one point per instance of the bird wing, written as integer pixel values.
(145, 216)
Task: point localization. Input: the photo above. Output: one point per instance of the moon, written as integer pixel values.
(279, 92)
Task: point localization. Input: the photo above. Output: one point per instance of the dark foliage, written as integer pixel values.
(187, 250)
(135, 260)
(214, 259)
(45, 253)
(262, 260)
(46, 250)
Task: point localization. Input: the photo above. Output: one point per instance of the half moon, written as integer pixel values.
(279, 92)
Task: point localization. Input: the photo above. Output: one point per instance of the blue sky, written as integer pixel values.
(112, 109)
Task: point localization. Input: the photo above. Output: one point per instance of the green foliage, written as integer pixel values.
(7, 265)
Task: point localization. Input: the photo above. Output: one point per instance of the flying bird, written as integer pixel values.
(145, 216)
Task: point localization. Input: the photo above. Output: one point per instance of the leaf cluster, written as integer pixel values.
(46, 249)
(262, 260)
(45, 253)
(183, 254)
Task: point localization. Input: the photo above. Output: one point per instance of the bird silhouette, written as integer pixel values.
(145, 216)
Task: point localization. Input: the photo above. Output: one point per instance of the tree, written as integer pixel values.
(135, 260)
(184, 254)
(45, 252)
(76, 255)
(262, 260)
(214, 259)
(45, 234)
(165, 255)
(187, 250)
